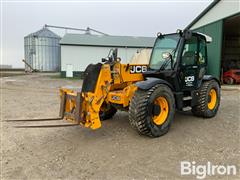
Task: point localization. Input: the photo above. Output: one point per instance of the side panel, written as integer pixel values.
(215, 30)
(128, 72)
(122, 97)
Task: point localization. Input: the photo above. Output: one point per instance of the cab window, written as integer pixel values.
(202, 51)
(190, 50)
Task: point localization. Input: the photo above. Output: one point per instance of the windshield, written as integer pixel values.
(165, 44)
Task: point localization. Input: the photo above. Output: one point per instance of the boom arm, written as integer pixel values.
(113, 85)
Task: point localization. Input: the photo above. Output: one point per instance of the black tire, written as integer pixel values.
(229, 80)
(141, 106)
(202, 109)
(108, 113)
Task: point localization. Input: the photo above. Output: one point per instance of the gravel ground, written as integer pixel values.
(114, 151)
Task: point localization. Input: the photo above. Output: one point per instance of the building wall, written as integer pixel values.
(221, 10)
(215, 30)
(81, 56)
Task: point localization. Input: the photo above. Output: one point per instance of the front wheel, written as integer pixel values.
(208, 101)
(151, 112)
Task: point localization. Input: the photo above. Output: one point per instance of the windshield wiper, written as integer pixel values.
(165, 63)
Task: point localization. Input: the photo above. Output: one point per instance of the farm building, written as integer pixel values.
(221, 21)
(79, 50)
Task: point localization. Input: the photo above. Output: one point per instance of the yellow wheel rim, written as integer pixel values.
(161, 118)
(212, 99)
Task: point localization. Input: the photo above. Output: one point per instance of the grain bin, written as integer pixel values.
(42, 50)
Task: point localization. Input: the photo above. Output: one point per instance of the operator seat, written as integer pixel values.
(188, 58)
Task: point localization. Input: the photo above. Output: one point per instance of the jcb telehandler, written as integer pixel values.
(174, 79)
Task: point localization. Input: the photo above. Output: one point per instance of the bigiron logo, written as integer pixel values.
(138, 69)
(201, 171)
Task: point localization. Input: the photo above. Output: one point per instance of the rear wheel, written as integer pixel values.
(107, 111)
(151, 112)
(208, 101)
(229, 80)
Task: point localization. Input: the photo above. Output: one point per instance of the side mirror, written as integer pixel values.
(166, 55)
(187, 34)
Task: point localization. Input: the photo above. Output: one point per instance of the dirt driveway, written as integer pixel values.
(113, 152)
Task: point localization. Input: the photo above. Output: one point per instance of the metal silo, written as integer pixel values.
(42, 50)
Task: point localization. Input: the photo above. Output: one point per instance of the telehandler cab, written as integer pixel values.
(174, 79)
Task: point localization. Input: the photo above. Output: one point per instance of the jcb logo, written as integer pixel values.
(189, 78)
(137, 69)
(116, 98)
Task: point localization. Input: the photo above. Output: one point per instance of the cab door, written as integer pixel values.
(192, 63)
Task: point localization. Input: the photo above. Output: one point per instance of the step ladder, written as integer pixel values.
(187, 108)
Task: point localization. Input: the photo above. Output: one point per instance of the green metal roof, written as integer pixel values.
(107, 41)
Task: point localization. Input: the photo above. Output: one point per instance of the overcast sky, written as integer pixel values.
(115, 18)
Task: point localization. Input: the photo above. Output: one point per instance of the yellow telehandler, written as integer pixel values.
(174, 79)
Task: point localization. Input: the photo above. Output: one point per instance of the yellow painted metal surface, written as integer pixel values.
(213, 99)
(122, 97)
(116, 86)
(164, 110)
(122, 73)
